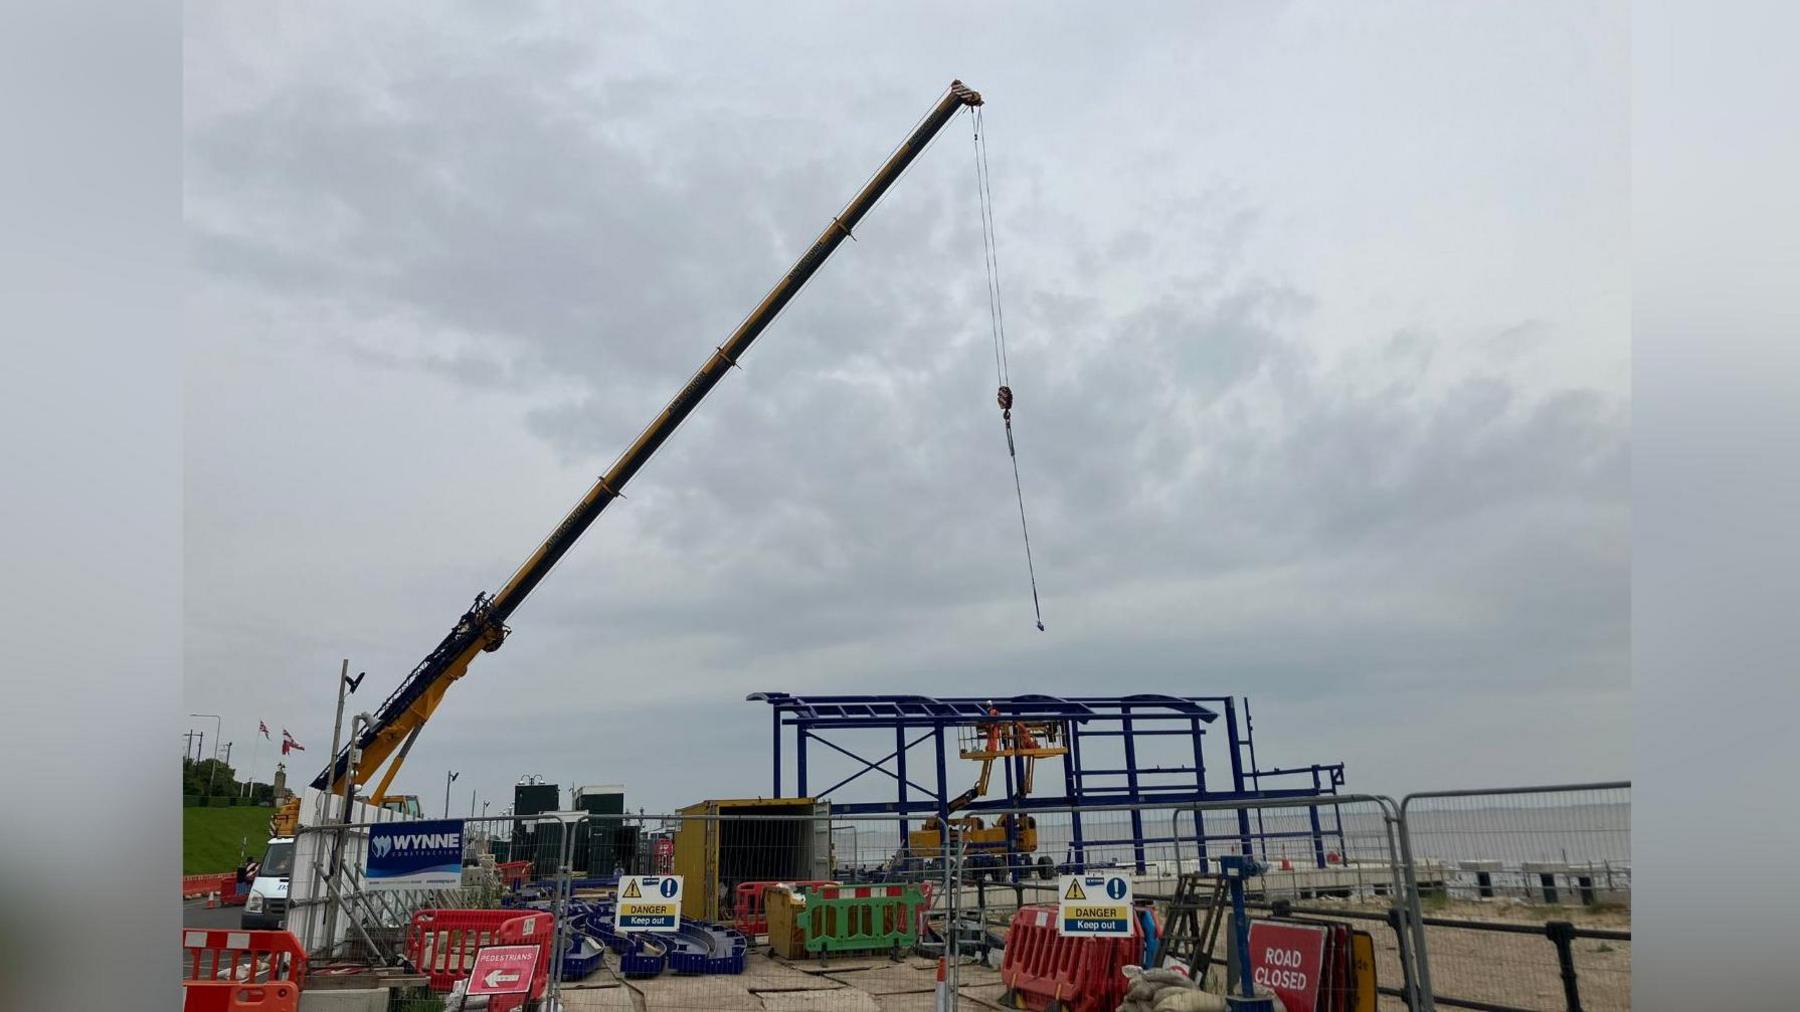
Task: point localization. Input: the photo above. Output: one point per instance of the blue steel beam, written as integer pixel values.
(1036, 804)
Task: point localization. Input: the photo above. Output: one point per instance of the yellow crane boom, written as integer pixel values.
(483, 627)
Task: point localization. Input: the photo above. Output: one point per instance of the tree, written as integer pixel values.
(209, 778)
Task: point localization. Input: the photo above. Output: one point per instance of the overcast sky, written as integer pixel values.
(1319, 330)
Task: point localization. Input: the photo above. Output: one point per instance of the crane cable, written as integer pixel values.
(997, 323)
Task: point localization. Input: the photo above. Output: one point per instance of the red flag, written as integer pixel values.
(289, 744)
(264, 728)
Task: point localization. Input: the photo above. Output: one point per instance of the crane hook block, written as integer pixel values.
(1005, 398)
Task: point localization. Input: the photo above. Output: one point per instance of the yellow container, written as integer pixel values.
(722, 843)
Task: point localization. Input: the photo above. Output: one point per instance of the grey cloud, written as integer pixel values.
(1226, 493)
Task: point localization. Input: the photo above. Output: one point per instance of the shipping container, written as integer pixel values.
(748, 840)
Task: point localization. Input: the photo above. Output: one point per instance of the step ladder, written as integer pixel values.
(1194, 917)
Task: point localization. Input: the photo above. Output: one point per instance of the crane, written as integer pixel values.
(394, 727)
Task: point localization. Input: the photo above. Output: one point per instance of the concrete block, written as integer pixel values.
(365, 999)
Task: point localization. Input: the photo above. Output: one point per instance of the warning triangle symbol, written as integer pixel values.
(1074, 892)
(631, 891)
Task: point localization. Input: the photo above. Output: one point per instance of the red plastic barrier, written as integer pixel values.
(225, 884)
(441, 944)
(1041, 965)
(749, 915)
(514, 873)
(194, 886)
(221, 996)
(217, 965)
(525, 931)
(249, 956)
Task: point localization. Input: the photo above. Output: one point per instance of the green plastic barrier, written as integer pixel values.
(886, 918)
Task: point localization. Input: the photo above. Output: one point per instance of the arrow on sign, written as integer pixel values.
(495, 978)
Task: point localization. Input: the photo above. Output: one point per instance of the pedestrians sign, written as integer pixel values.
(1094, 905)
(504, 969)
(649, 903)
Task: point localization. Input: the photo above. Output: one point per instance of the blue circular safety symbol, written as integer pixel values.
(668, 888)
(1115, 888)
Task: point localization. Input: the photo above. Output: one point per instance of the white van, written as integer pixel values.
(265, 909)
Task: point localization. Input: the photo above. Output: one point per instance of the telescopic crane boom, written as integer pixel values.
(483, 627)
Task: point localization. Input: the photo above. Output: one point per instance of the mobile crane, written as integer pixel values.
(482, 628)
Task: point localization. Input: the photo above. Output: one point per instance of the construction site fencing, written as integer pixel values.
(1461, 898)
(1523, 896)
(1332, 868)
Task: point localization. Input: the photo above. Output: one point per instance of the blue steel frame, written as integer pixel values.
(917, 720)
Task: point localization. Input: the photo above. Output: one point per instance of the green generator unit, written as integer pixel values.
(539, 843)
(604, 841)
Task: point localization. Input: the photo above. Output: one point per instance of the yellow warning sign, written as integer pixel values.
(1095, 904)
(648, 903)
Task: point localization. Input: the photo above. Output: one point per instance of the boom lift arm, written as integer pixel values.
(483, 627)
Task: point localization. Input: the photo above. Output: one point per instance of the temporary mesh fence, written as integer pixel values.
(1331, 879)
(1525, 895)
(792, 906)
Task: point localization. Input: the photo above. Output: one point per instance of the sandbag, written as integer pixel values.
(1185, 1000)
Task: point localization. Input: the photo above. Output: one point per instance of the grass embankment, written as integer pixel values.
(212, 838)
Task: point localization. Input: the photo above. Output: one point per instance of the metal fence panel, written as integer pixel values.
(1484, 881)
(1525, 895)
(1331, 863)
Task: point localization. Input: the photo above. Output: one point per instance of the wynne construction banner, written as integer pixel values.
(414, 855)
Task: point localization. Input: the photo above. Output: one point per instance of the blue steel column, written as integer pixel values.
(1131, 786)
(1237, 772)
(1199, 788)
(900, 750)
(1318, 832)
(800, 737)
(1015, 786)
(1078, 856)
(777, 793)
(943, 792)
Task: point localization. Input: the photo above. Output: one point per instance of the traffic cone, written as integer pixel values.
(212, 900)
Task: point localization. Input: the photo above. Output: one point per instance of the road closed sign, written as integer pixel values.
(649, 903)
(1095, 905)
(504, 969)
(1287, 959)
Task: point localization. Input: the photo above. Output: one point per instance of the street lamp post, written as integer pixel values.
(215, 767)
(448, 779)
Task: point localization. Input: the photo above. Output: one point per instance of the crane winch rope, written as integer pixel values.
(997, 323)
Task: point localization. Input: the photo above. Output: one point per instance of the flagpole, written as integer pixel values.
(255, 760)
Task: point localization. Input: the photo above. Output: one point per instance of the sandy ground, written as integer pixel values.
(1513, 969)
(769, 984)
(1510, 969)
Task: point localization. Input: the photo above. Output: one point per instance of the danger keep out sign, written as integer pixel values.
(1094, 905)
(649, 903)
